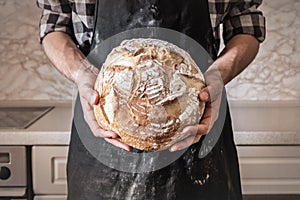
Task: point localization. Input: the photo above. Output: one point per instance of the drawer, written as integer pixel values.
(270, 169)
(49, 169)
(50, 197)
(264, 170)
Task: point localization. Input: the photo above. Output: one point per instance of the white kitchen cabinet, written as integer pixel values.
(49, 170)
(270, 169)
(50, 197)
(264, 170)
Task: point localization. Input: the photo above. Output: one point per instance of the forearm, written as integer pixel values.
(64, 54)
(237, 55)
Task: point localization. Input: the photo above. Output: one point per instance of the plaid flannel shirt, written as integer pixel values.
(75, 17)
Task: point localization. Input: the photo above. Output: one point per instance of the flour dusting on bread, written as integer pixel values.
(148, 93)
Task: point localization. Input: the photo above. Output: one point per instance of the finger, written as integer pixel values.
(88, 112)
(204, 94)
(203, 129)
(119, 144)
(101, 133)
(214, 92)
(97, 131)
(205, 123)
(185, 143)
(94, 98)
(90, 95)
(190, 130)
(190, 137)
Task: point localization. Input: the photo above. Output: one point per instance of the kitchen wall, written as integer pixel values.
(25, 72)
(275, 73)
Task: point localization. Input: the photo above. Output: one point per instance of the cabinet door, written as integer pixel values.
(50, 197)
(49, 169)
(270, 169)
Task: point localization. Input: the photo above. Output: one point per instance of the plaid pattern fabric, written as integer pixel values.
(75, 17)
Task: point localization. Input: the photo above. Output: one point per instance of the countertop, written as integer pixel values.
(51, 129)
(254, 124)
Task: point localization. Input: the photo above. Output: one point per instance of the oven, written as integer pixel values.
(13, 172)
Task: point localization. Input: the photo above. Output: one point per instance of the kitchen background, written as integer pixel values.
(264, 99)
(26, 74)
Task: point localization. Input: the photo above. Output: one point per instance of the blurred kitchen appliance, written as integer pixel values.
(13, 176)
(20, 117)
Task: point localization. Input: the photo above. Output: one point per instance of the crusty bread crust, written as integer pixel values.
(148, 93)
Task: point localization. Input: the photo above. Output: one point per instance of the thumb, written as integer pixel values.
(94, 98)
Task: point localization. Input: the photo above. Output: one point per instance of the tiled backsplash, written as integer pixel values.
(26, 74)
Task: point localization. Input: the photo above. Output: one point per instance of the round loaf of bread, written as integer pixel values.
(148, 93)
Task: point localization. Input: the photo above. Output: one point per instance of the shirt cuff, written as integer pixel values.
(251, 24)
(54, 22)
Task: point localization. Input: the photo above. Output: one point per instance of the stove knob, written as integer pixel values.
(4, 173)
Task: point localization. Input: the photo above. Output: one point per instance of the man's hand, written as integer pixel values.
(235, 57)
(89, 97)
(70, 61)
(211, 95)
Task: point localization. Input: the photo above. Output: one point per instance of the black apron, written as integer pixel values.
(216, 176)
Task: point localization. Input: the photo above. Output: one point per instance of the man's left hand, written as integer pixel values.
(211, 95)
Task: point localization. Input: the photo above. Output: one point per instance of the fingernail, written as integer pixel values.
(205, 95)
(172, 149)
(95, 99)
(125, 148)
(185, 130)
(111, 135)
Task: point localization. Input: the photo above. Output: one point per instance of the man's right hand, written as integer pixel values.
(71, 62)
(89, 97)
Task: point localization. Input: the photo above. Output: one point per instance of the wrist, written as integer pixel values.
(236, 56)
(225, 66)
(84, 71)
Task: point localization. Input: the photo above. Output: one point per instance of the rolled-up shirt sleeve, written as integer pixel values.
(56, 16)
(244, 18)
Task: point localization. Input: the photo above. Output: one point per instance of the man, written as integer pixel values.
(69, 30)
